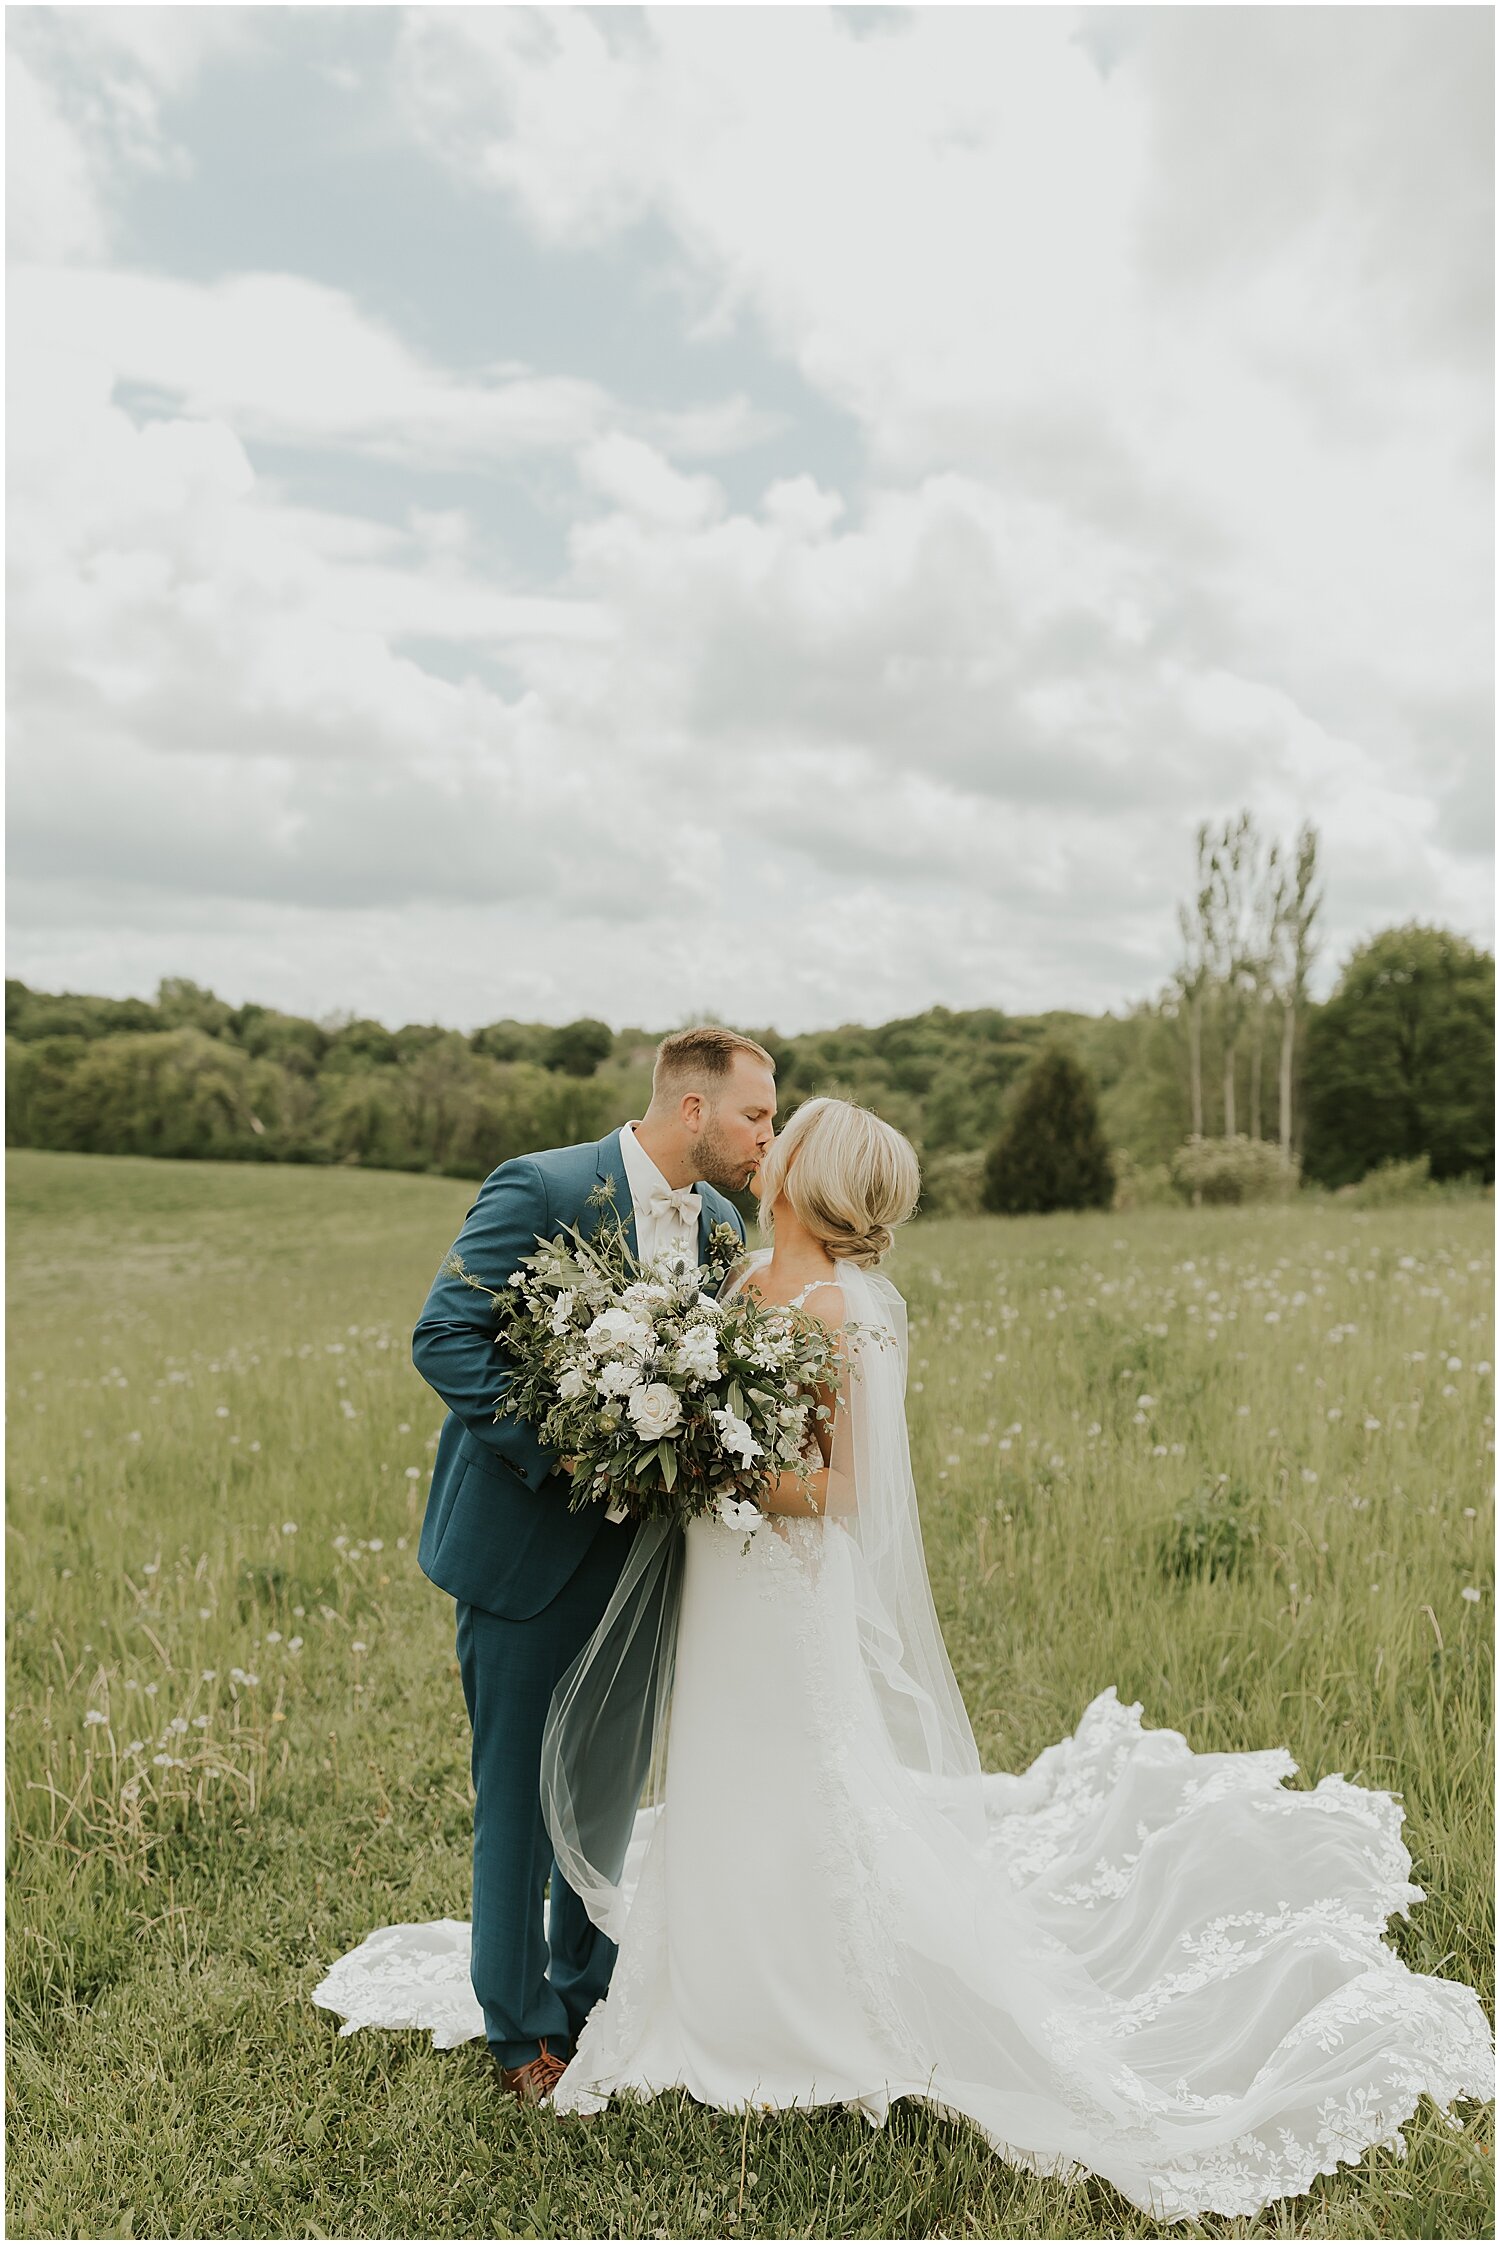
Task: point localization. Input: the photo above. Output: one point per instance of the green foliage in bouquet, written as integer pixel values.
(666, 1399)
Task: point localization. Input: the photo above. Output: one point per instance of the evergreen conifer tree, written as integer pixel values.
(1052, 1152)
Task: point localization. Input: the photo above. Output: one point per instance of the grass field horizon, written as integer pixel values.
(1236, 1463)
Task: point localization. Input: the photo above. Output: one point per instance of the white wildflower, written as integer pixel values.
(94, 1716)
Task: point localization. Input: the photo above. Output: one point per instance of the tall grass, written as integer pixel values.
(1236, 1463)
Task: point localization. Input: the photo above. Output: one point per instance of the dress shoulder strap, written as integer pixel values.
(799, 1299)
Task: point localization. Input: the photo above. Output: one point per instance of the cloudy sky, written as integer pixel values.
(795, 512)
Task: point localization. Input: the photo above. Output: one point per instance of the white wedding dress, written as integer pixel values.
(1163, 1967)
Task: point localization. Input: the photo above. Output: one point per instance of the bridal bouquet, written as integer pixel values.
(668, 1401)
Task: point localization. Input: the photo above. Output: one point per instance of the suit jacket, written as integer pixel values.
(497, 1531)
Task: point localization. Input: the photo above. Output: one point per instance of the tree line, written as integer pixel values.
(1397, 1065)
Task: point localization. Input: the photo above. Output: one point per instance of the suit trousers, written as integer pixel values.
(531, 1982)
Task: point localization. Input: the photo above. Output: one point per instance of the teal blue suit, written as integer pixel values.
(531, 1580)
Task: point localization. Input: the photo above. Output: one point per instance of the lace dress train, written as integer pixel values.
(1162, 1967)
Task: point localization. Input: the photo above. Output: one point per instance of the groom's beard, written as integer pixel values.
(719, 1165)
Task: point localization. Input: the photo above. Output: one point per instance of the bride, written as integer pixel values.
(1159, 1966)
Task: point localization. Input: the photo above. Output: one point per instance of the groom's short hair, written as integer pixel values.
(701, 1058)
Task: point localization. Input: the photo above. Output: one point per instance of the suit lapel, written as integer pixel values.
(612, 1166)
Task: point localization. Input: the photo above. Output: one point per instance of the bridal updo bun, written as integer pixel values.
(849, 1176)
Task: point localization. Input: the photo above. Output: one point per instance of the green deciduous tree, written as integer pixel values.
(1400, 1062)
(1052, 1152)
(578, 1047)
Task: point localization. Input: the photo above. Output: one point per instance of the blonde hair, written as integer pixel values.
(700, 1059)
(854, 1178)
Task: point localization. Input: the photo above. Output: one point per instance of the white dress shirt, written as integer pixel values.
(662, 1230)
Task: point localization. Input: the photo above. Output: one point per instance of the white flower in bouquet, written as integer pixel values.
(646, 1293)
(656, 1410)
(573, 1383)
(706, 1307)
(740, 1514)
(562, 1313)
(735, 1436)
(697, 1355)
(770, 1354)
(619, 1329)
(618, 1378)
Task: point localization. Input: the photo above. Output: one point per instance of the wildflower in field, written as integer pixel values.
(289, 1527)
(1372, 1426)
(359, 1646)
(414, 1473)
(94, 1716)
(273, 1636)
(1470, 1594)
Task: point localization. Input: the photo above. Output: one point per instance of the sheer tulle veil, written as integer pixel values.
(604, 1747)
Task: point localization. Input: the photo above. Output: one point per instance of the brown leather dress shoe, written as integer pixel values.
(534, 2082)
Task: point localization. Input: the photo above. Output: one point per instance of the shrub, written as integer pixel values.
(1391, 1184)
(1224, 1171)
(1214, 1533)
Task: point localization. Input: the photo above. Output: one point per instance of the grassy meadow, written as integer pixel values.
(1235, 1462)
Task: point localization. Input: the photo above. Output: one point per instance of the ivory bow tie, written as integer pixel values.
(683, 1203)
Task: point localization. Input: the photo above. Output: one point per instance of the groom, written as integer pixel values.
(531, 1578)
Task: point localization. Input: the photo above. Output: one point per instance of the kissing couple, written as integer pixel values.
(1130, 1960)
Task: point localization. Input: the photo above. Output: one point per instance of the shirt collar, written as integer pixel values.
(641, 1172)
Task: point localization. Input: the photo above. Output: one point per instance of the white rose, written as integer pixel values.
(573, 1384)
(645, 1292)
(655, 1410)
(735, 1437)
(698, 1354)
(617, 1329)
(617, 1378)
(740, 1514)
